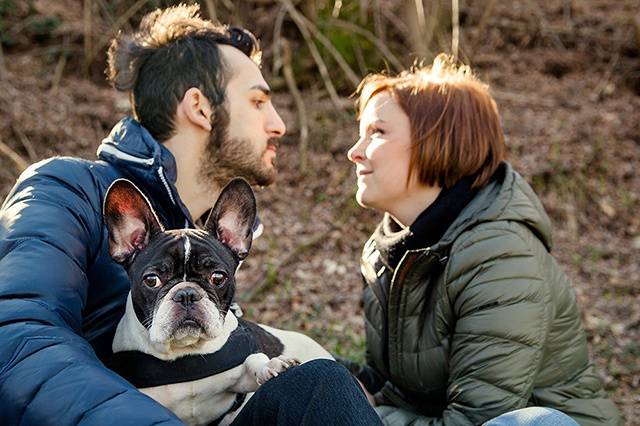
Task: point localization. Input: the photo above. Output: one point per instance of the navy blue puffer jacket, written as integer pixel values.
(61, 295)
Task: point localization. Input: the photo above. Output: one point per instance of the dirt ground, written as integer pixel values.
(566, 76)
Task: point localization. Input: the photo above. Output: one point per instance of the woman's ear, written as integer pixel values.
(196, 109)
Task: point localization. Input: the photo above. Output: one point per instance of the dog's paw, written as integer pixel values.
(275, 366)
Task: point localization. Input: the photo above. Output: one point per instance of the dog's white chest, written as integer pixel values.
(200, 401)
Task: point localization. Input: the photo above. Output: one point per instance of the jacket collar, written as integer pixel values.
(428, 228)
(507, 197)
(131, 148)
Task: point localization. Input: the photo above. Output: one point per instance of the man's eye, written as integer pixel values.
(258, 103)
(152, 281)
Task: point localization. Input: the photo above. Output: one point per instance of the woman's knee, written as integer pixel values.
(533, 416)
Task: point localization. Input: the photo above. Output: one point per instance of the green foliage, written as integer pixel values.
(7, 7)
(43, 26)
(348, 345)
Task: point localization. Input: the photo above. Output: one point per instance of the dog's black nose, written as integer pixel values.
(186, 296)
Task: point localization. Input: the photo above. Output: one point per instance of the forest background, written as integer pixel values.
(565, 74)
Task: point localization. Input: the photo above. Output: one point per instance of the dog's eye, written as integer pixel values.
(218, 278)
(152, 280)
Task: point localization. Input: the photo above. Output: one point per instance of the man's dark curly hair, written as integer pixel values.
(173, 50)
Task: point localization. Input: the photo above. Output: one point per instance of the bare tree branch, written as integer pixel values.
(342, 63)
(372, 38)
(455, 27)
(315, 54)
(211, 10)
(300, 105)
(277, 34)
(3, 69)
(15, 158)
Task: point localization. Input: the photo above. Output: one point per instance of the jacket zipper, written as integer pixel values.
(399, 275)
(163, 178)
(110, 149)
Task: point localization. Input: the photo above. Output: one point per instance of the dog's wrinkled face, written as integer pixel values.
(182, 281)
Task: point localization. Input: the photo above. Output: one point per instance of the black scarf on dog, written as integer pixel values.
(143, 370)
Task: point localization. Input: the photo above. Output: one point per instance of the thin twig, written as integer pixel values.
(88, 33)
(455, 27)
(544, 25)
(3, 69)
(486, 14)
(342, 63)
(300, 105)
(397, 22)
(277, 34)
(522, 99)
(106, 11)
(15, 158)
(24, 140)
(211, 9)
(597, 93)
(420, 15)
(104, 41)
(57, 73)
(378, 25)
(362, 65)
(315, 54)
(372, 38)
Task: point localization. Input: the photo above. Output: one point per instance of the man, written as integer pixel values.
(203, 114)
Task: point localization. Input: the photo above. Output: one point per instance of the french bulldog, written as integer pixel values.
(178, 340)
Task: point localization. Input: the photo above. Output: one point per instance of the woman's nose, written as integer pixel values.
(355, 153)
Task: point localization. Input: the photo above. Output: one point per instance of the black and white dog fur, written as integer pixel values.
(182, 285)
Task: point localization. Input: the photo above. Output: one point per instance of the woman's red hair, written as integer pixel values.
(455, 125)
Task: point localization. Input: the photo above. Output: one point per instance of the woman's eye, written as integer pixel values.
(377, 131)
(152, 280)
(218, 278)
(258, 103)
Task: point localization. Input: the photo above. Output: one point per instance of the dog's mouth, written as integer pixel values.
(190, 324)
(189, 331)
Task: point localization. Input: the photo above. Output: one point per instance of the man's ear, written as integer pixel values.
(131, 221)
(232, 217)
(196, 108)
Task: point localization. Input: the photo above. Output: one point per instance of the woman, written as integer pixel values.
(468, 316)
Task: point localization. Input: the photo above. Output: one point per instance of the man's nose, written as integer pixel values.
(275, 126)
(186, 296)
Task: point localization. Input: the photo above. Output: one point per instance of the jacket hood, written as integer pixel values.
(131, 148)
(508, 197)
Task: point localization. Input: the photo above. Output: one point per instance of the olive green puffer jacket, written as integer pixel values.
(482, 322)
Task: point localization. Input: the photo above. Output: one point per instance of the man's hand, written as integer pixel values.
(369, 396)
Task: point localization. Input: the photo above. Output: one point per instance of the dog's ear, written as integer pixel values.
(232, 217)
(130, 220)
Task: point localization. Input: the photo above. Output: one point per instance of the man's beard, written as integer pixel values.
(226, 158)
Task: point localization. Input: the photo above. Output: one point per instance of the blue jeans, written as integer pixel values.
(533, 416)
(319, 392)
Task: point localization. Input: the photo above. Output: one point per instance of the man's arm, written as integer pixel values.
(50, 228)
